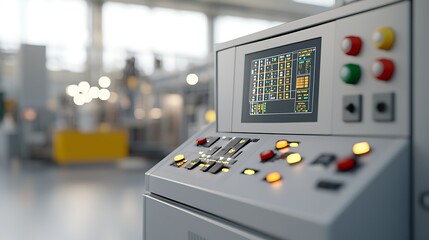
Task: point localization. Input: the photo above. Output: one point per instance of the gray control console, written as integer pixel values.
(312, 139)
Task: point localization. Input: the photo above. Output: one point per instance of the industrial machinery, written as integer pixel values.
(320, 134)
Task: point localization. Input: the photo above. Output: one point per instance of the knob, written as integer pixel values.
(384, 38)
(383, 69)
(351, 45)
(350, 73)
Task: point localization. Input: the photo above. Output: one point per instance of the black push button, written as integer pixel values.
(212, 151)
(325, 159)
(210, 141)
(193, 164)
(220, 153)
(217, 167)
(239, 145)
(329, 185)
(208, 166)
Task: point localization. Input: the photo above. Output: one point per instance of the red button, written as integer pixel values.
(383, 69)
(351, 45)
(201, 141)
(346, 164)
(266, 155)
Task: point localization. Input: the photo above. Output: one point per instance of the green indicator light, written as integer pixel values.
(350, 73)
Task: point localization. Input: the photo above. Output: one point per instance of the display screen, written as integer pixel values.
(282, 84)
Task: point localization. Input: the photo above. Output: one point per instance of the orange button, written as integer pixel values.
(280, 144)
(273, 177)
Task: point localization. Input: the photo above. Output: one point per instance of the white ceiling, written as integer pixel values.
(280, 10)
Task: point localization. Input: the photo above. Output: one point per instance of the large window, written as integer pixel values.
(61, 25)
(230, 27)
(146, 33)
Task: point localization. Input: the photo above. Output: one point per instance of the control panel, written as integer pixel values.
(312, 139)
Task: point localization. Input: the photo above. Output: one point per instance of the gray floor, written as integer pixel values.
(41, 201)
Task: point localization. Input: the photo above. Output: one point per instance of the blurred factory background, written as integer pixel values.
(93, 93)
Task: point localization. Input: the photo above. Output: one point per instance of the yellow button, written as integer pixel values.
(384, 38)
(225, 170)
(294, 144)
(249, 171)
(293, 158)
(281, 144)
(273, 177)
(179, 158)
(361, 148)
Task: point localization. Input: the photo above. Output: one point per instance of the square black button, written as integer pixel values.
(325, 159)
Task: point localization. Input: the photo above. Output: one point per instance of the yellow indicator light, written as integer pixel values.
(179, 164)
(384, 38)
(273, 177)
(231, 150)
(294, 144)
(249, 171)
(242, 141)
(293, 158)
(281, 144)
(225, 170)
(361, 148)
(179, 157)
(201, 165)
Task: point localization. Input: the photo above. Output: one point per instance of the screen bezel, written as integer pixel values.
(282, 117)
(324, 115)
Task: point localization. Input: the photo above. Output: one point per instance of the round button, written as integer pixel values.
(351, 45)
(350, 73)
(266, 155)
(383, 69)
(384, 38)
(201, 141)
(280, 144)
(273, 177)
(346, 164)
(179, 157)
